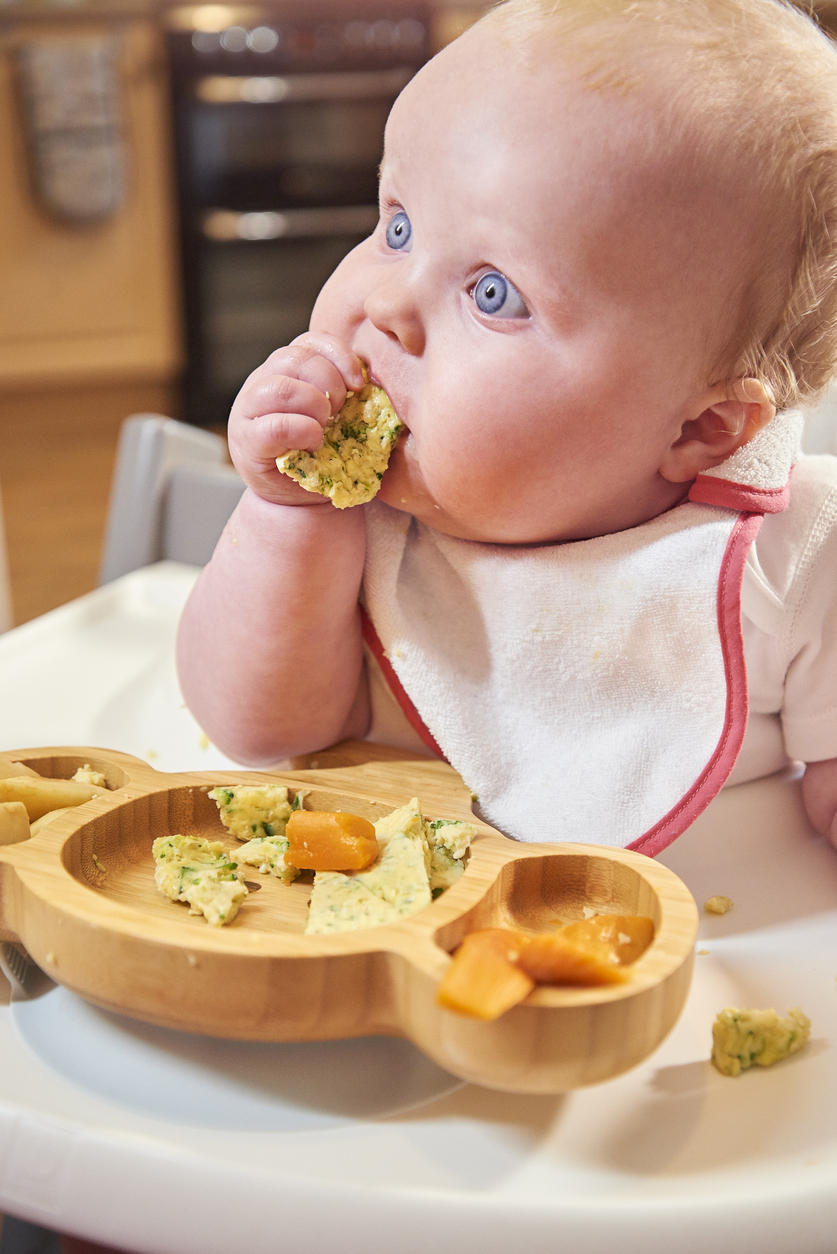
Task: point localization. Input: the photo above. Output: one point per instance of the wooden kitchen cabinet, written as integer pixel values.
(81, 303)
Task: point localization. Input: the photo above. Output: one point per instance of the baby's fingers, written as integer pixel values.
(269, 394)
(329, 348)
(269, 436)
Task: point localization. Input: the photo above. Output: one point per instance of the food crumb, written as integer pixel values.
(192, 960)
(701, 952)
(203, 741)
(744, 1038)
(152, 754)
(718, 905)
(589, 912)
(101, 870)
(51, 959)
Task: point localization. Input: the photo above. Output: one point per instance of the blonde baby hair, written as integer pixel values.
(751, 81)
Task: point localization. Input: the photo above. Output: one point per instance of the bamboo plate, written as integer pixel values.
(110, 937)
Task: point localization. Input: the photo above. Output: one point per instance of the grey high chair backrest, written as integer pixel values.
(172, 494)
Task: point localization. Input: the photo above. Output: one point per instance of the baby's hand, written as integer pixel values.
(285, 404)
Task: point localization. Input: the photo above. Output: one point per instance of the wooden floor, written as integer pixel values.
(56, 459)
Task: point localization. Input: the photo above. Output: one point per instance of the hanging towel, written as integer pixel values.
(72, 97)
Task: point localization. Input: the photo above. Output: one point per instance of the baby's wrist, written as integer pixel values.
(267, 515)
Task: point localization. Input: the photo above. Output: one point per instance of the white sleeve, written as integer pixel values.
(789, 604)
(809, 709)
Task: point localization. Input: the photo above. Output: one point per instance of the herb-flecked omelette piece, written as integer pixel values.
(744, 1038)
(355, 452)
(200, 872)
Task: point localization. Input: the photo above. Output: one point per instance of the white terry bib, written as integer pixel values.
(591, 691)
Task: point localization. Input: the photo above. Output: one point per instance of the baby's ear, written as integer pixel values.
(728, 416)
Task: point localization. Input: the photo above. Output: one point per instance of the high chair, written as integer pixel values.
(172, 494)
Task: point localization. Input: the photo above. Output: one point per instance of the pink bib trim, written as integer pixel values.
(373, 642)
(707, 490)
(717, 771)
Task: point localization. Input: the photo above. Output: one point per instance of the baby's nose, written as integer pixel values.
(392, 307)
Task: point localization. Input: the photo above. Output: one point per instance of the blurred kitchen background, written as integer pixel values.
(176, 183)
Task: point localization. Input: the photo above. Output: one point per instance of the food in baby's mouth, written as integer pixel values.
(746, 1038)
(718, 905)
(482, 980)
(324, 841)
(356, 448)
(417, 861)
(201, 873)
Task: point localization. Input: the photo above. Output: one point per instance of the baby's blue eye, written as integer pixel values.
(399, 231)
(495, 295)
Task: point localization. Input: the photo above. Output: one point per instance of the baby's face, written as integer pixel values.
(540, 300)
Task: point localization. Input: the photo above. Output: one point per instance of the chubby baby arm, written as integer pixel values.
(819, 791)
(269, 651)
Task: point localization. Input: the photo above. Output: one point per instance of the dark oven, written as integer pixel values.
(279, 121)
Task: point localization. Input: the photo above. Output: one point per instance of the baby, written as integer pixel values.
(604, 275)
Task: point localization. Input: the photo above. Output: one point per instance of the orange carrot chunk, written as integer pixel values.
(555, 959)
(483, 980)
(320, 840)
(629, 935)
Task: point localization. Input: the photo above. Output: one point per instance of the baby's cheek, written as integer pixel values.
(339, 307)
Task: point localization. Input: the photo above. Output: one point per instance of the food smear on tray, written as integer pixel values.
(355, 452)
(201, 873)
(745, 1038)
(417, 860)
(495, 968)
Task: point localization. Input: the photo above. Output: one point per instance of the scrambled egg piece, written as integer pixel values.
(86, 775)
(340, 903)
(450, 841)
(417, 861)
(355, 451)
(407, 818)
(258, 814)
(268, 856)
(742, 1038)
(199, 872)
(718, 905)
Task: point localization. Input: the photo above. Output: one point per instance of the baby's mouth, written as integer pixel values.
(375, 378)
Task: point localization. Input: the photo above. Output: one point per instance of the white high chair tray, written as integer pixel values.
(167, 1143)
